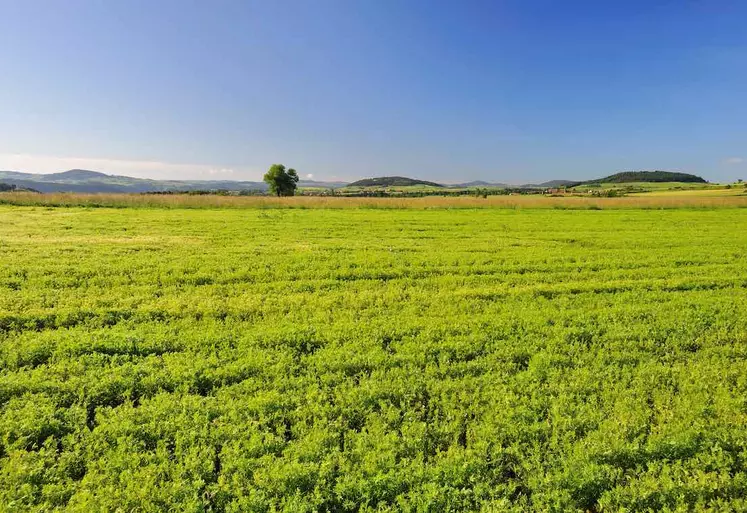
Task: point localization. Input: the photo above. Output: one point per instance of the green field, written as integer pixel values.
(674, 187)
(373, 360)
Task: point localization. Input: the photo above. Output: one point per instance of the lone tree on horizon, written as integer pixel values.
(282, 182)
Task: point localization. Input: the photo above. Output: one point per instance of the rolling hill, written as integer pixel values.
(83, 180)
(626, 177)
(555, 183)
(87, 181)
(478, 183)
(648, 176)
(392, 181)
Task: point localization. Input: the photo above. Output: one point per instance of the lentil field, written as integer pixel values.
(305, 360)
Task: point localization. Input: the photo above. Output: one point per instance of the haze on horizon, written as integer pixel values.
(450, 91)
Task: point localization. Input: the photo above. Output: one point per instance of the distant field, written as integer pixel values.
(713, 192)
(400, 188)
(657, 186)
(713, 198)
(486, 359)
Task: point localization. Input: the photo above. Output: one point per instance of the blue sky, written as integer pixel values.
(511, 91)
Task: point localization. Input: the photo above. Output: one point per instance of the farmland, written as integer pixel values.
(653, 198)
(373, 359)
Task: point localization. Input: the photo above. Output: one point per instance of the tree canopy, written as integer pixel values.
(282, 182)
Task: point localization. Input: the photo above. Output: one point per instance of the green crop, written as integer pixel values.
(373, 360)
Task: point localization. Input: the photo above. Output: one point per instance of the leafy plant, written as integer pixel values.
(372, 359)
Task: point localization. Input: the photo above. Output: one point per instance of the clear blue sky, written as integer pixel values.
(510, 91)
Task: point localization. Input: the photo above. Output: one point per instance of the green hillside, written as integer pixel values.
(392, 181)
(649, 176)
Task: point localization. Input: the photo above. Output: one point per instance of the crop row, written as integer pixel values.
(324, 360)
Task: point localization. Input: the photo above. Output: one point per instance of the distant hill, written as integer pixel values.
(479, 183)
(83, 180)
(392, 181)
(79, 174)
(649, 176)
(556, 183)
(624, 177)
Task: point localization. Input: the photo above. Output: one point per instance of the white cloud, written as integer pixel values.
(734, 160)
(137, 168)
(309, 176)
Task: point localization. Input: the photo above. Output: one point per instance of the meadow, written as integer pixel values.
(653, 198)
(414, 358)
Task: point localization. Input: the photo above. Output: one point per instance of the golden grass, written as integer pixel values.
(646, 200)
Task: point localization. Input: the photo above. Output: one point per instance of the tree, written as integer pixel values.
(282, 182)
